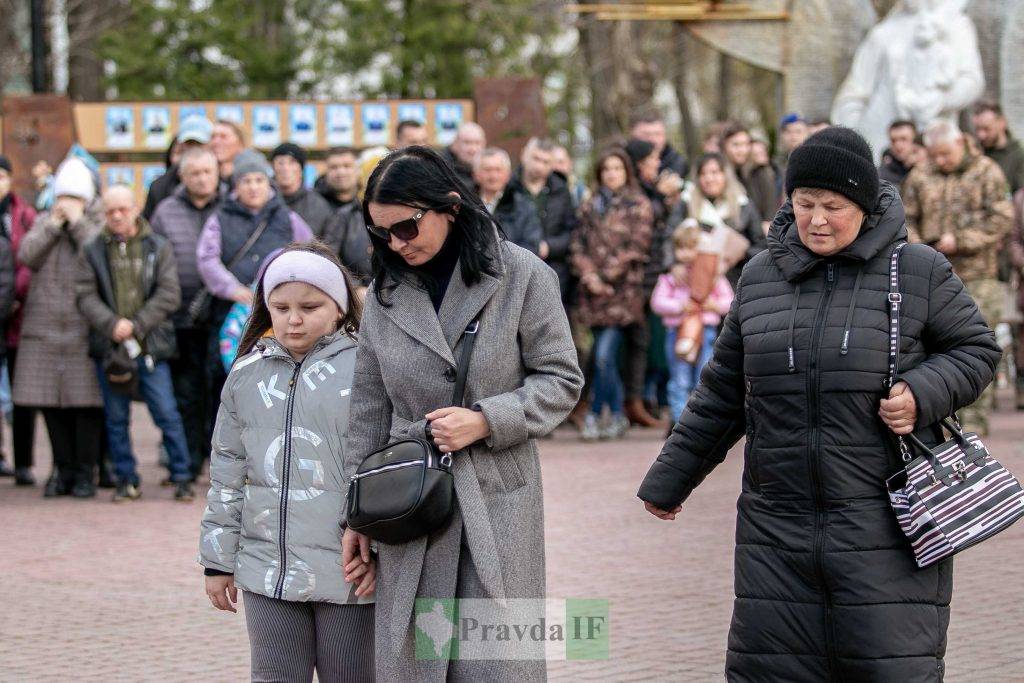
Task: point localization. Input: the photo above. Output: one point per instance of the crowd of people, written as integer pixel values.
(106, 301)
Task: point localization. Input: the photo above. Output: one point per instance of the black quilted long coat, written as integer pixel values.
(826, 585)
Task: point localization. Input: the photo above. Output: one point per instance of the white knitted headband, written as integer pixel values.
(310, 268)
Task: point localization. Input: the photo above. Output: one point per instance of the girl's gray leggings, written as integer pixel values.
(290, 639)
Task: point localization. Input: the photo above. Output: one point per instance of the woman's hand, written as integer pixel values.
(242, 295)
(359, 565)
(663, 514)
(222, 592)
(899, 411)
(455, 428)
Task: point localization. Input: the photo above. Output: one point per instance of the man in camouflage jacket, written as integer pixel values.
(959, 202)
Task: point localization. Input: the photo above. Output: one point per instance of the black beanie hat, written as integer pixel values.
(638, 150)
(292, 150)
(836, 159)
(5, 164)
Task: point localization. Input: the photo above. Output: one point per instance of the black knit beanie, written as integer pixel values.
(5, 163)
(292, 150)
(836, 159)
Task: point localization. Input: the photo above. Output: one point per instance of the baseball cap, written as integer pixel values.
(195, 129)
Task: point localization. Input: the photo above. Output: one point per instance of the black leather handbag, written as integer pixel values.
(406, 490)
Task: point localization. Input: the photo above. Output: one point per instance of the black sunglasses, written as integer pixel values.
(406, 230)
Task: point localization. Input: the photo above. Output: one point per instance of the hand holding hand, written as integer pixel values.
(358, 564)
(667, 515)
(123, 329)
(455, 428)
(899, 411)
(222, 592)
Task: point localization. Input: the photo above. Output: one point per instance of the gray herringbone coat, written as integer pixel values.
(54, 369)
(525, 378)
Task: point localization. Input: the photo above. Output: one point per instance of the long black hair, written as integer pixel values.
(259, 320)
(419, 177)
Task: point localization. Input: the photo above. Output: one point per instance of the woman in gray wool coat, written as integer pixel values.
(438, 264)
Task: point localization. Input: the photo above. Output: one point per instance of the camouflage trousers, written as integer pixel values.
(990, 298)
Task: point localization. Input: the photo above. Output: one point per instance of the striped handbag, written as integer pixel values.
(955, 495)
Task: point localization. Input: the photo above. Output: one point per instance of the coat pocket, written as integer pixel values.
(508, 470)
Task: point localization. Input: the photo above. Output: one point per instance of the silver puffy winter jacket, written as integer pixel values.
(282, 421)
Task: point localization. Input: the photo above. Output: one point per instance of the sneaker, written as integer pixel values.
(5, 469)
(84, 488)
(23, 477)
(183, 492)
(616, 427)
(591, 429)
(56, 486)
(126, 492)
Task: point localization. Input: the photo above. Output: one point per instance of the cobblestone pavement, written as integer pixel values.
(99, 592)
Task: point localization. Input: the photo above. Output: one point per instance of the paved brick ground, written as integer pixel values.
(98, 592)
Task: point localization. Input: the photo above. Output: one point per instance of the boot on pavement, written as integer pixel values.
(638, 415)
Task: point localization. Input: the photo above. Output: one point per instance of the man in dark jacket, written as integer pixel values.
(897, 160)
(515, 213)
(348, 237)
(649, 126)
(289, 162)
(339, 185)
(1000, 146)
(126, 285)
(195, 132)
(553, 202)
(180, 219)
(469, 141)
(826, 584)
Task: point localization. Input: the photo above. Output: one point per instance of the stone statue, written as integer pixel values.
(920, 63)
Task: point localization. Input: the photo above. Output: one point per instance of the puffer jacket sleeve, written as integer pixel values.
(709, 426)
(222, 521)
(553, 377)
(962, 350)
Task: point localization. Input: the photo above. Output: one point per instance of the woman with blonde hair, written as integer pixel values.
(716, 200)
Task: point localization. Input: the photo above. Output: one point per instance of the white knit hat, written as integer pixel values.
(74, 179)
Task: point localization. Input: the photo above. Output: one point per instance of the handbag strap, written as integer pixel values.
(952, 424)
(468, 341)
(895, 299)
(249, 244)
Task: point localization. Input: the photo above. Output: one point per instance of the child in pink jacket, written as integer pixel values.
(671, 300)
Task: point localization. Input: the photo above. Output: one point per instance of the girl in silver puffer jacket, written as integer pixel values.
(273, 524)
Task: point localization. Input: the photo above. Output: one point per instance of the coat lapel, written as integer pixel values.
(461, 304)
(412, 310)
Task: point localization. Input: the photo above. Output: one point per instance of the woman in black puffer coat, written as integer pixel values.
(826, 584)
